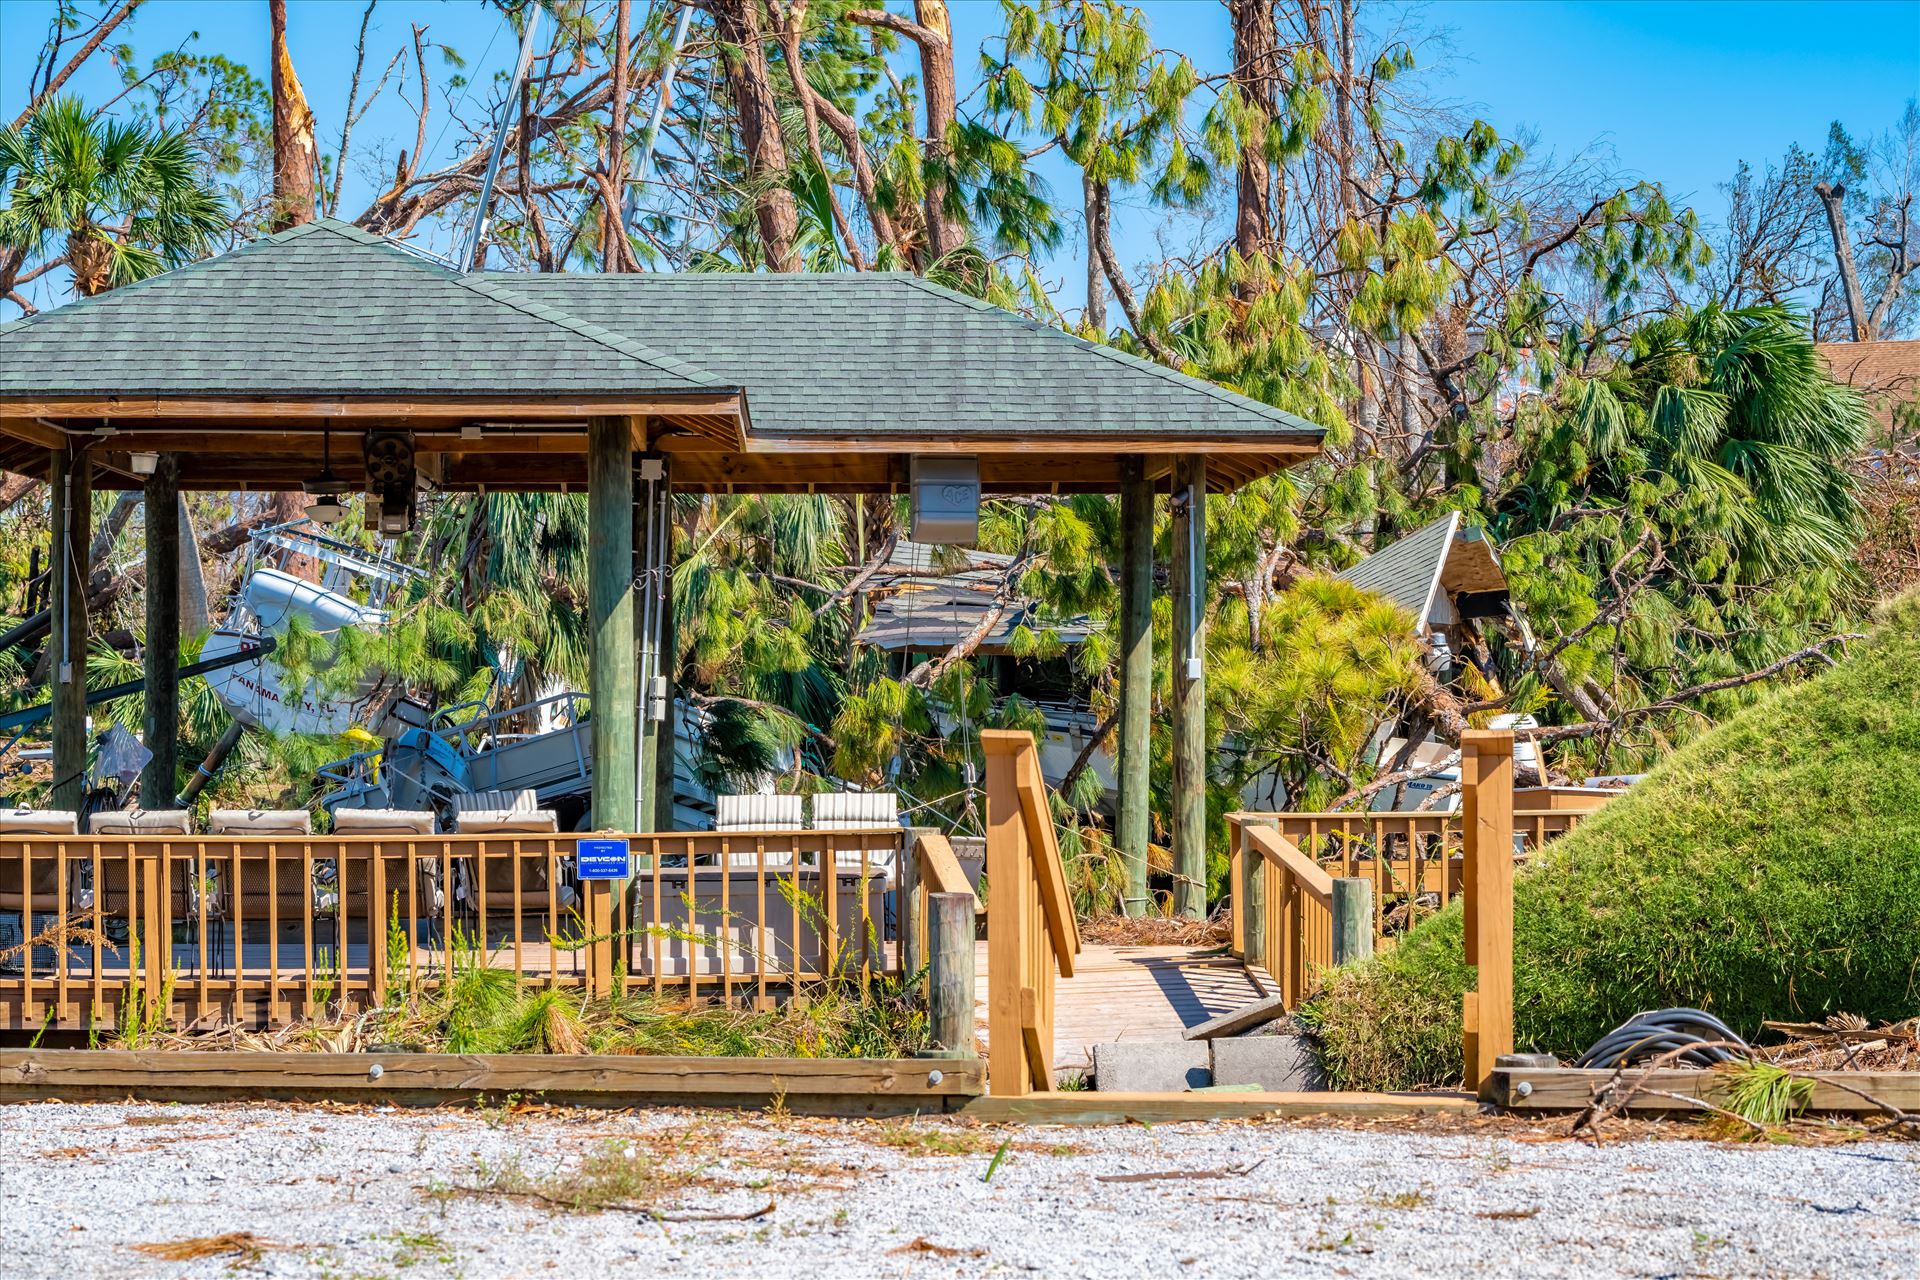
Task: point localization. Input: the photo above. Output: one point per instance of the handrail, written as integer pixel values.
(1286, 855)
(1055, 899)
(939, 869)
(1031, 931)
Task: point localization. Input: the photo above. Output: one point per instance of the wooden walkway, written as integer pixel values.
(1130, 993)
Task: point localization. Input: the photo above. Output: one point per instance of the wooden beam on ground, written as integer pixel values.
(1562, 1089)
(1234, 1021)
(1174, 1108)
(833, 1086)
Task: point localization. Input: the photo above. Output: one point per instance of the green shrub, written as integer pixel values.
(1769, 869)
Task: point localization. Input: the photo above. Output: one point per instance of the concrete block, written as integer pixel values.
(1148, 1066)
(1277, 1063)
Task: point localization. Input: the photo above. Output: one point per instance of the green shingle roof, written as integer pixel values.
(883, 354)
(328, 310)
(324, 309)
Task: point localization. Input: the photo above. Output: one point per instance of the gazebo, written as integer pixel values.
(245, 371)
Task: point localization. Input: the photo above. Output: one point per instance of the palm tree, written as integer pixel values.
(126, 199)
(1734, 432)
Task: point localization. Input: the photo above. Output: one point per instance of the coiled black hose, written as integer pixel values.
(1648, 1035)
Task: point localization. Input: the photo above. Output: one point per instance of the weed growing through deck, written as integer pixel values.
(142, 1017)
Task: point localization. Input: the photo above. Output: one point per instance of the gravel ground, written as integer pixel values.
(333, 1192)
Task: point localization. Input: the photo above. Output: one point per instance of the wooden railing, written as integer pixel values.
(1414, 863)
(1288, 922)
(262, 930)
(1031, 930)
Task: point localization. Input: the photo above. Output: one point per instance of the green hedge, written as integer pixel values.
(1769, 869)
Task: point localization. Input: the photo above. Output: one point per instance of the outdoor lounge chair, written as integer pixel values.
(324, 888)
(38, 822)
(505, 813)
(858, 811)
(502, 813)
(861, 811)
(27, 909)
(758, 813)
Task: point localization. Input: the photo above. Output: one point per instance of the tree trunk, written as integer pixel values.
(1095, 316)
(790, 32)
(295, 155)
(931, 31)
(1256, 46)
(936, 70)
(612, 259)
(737, 23)
(1833, 198)
(90, 257)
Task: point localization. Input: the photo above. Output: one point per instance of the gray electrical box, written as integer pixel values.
(946, 500)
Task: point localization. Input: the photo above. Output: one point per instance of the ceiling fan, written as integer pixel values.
(326, 488)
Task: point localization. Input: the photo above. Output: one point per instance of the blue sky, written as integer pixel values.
(1679, 92)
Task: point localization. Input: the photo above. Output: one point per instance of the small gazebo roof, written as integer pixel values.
(241, 363)
(1442, 556)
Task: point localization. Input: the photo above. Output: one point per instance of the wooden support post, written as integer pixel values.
(663, 761)
(1352, 919)
(1189, 563)
(1252, 885)
(160, 717)
(156, 942)
(72, 481)
(1136, 678)
(656, 607)
(610, 621)
(601, 919)
(950, 990)
(1486, 810)
(915, 920)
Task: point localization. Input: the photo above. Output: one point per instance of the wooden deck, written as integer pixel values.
(1131, 993)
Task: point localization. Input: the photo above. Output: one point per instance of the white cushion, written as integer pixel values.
(855, 810)
(141, 822)
(39, 822)
(383, 822)
(756, 813)
(259, 822)
(507, 822)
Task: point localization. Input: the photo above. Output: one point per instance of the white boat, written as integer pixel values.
(354, 589)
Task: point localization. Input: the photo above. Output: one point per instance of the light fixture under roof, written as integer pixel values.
(326, 488)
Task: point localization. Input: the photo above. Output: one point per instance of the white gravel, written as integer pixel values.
(353, 1194)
